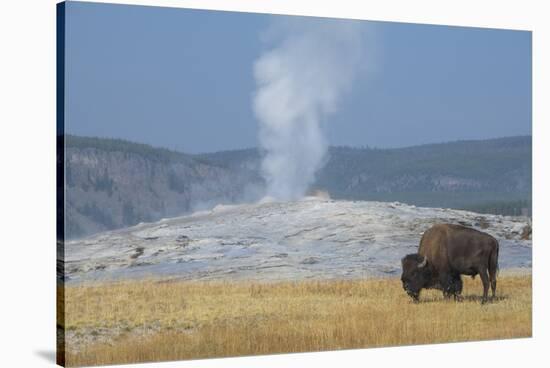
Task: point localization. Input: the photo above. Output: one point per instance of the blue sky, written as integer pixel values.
(183, 79)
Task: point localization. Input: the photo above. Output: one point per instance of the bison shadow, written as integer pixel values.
(478, 298)
(464, 298)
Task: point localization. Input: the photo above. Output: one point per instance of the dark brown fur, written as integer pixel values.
(450, 251)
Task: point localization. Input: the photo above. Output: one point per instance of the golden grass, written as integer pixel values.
(159, 320)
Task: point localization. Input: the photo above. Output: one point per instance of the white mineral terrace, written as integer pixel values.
(311, 238)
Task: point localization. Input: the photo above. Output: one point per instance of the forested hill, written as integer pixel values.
(464, 174)
(114, 183)
(111, 183)
(491, 175)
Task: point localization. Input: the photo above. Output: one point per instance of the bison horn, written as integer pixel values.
(423, 263)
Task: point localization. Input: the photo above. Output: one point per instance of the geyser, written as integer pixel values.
(300, 79)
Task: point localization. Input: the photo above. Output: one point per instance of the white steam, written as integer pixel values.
(300, 81)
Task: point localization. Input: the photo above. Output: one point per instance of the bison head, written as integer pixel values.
(415, 274)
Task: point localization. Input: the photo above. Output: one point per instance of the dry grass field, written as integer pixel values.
(155, 320)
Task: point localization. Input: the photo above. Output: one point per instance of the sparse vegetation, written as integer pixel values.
(93, 211)
(154, 320)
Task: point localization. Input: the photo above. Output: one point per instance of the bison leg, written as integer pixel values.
(445, 286)
(451, 285)
(493, 279)
(457, 288)
(485, 280)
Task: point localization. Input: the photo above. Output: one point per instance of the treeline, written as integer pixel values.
(120, 145)
(488, 164)
(505, 208)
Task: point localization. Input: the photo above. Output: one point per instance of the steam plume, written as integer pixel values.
(300, 81)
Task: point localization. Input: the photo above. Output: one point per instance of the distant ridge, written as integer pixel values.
(114, 183)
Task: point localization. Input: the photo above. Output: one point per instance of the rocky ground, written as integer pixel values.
(311, 238)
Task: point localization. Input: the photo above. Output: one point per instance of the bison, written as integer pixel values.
(447, 251)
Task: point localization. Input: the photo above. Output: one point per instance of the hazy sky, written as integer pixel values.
(183, 79)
